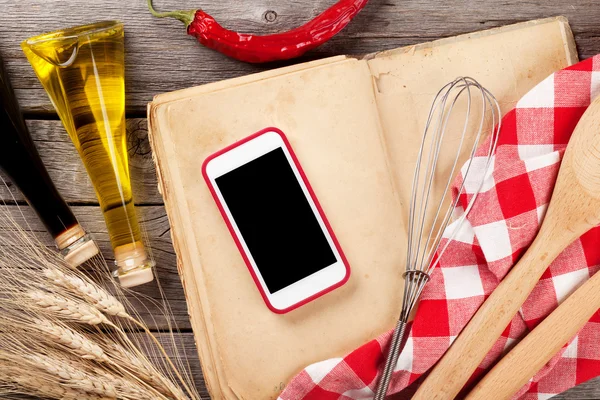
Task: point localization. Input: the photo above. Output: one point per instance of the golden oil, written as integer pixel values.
(82, 70)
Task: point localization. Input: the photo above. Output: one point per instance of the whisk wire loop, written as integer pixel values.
(442, 129)
(426, 206)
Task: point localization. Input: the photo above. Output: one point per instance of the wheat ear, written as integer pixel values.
(43, 388)
(67, 309)
(76, 342)
(99, 297)
(108, 304)
(74, 378)
(86, 314)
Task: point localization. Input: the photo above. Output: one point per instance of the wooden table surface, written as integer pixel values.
(160, 57)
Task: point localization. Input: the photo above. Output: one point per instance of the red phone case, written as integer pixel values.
(237, 241)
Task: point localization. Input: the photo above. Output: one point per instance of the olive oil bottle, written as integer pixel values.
(82, 70)
(20, 161)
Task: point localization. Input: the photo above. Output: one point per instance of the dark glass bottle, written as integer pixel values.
(20, 161)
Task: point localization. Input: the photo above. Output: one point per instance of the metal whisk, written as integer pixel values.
(427, 223)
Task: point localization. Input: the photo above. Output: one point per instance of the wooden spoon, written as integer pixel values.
(573, 210)
(533, 352)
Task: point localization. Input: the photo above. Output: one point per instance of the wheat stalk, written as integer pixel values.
(79, 344)
(68, 309)
(97, 296)
(145, 371)
(132, 389)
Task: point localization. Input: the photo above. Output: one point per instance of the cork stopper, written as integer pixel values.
(136, 277)
(134, 266)
(69, 236)
(81, 253)
(76, 246)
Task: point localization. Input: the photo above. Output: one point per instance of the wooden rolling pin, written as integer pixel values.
(533, 352)
(573, 210)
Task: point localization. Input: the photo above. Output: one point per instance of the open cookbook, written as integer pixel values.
(355, 125)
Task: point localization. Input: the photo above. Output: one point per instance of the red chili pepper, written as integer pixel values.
(259, 49)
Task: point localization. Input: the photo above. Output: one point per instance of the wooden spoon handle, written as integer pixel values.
(533, 352)
(478, 337)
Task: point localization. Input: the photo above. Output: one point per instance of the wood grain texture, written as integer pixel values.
(515, 369)
(187, 347)
(161, 57)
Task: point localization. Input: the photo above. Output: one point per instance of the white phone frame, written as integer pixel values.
(309, 287)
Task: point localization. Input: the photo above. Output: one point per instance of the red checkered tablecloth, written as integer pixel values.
(500, 227)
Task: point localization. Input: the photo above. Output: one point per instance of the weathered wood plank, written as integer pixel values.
(67, 170)
(161, 57)
(588, 390)
(187, 351)
(154, 221)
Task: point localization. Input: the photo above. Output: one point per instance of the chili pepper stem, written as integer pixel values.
(184, 16)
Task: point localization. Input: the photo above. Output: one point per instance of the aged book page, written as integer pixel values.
(508, 64)
(355, 126)
(229, 83)
(169, 185)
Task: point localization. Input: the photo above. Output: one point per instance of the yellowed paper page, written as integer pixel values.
(229, 83)
(508, 63)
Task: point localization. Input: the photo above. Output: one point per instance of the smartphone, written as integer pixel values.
(275, 220)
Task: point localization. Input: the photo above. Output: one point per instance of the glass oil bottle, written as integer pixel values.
(82, 70)
(19, 159)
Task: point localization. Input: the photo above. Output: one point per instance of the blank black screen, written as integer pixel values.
(275, 220)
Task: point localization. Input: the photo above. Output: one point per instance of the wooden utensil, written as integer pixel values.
(573, 210)
(533, 352)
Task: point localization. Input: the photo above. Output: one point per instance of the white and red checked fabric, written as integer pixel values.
(500, 227)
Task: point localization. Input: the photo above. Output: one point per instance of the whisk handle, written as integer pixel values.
(391, 361)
